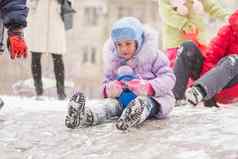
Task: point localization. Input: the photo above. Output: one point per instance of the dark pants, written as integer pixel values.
(37, 73)
(1, 103)
(1, 34)
(155, 109)
(189, 64)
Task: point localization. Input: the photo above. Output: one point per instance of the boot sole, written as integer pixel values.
(130, 120)
(76, 107)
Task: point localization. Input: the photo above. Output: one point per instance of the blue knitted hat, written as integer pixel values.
(128, 28)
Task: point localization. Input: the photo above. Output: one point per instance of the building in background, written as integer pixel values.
(93, 22)
(83, 62)
(232, 4)
(85, 43)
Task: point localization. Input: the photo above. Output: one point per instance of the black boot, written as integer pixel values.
(60, 88)
(59, 75)
(61, 94)
(36, 73)
(38, 88)
(1, 103)
(211, 103)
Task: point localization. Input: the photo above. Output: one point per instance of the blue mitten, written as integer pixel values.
(125, 74)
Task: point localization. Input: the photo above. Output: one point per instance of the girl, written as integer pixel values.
(132, 45)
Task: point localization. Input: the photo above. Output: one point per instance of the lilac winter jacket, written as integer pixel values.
(150, 64)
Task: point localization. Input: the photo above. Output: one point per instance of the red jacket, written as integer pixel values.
(225, 43)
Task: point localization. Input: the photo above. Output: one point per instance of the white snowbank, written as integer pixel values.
(31, 129)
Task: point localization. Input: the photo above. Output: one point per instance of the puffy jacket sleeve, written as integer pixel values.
(214, 9)
(165, 78)
(14, 13)
(217, 48)
(108, 73)
(170, 16)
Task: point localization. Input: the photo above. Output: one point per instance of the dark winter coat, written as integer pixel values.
(12, 14)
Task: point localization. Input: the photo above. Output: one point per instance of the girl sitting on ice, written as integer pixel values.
(130, 44)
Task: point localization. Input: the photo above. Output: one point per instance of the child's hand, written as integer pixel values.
(180, 6)
(141, 87)
(189, 28)
(113, 89)
(182, 10)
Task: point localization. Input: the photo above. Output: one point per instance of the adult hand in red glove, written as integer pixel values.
(16, 43)
(141, 87)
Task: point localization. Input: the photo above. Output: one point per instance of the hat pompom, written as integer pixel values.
(182, 10)
(125, 70)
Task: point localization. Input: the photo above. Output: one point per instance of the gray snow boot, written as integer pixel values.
(194, 95)
(135, 113)
(76, 107)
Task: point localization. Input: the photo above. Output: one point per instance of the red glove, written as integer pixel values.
(16, 44)
(113, 89)
(141, 87)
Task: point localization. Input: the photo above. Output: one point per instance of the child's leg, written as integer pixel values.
(233, 82)
(36, 72)
(166, 105)
(99, 111)
(59, 75)
(137, 111)
(223, 75)
(92, 113)
(188, 64)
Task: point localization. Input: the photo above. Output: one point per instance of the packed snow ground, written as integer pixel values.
(31, 129)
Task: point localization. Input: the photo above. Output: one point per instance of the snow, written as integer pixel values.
(31, 129)
(26, 87)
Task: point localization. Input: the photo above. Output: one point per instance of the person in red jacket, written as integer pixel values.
(215, 71)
